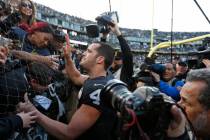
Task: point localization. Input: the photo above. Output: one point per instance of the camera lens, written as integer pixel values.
(116, 95)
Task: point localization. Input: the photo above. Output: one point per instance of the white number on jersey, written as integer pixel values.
(95, 96)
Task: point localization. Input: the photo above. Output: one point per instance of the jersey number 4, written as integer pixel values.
(95, 96)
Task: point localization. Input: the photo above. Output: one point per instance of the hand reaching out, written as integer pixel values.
(27, 118)
(53, 61)
(26, 106)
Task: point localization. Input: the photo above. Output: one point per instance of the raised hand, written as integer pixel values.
(68, 49)
(115, 29)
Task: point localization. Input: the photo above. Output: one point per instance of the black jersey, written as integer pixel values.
(104, 127)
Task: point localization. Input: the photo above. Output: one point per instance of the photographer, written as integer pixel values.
(122, 66)
(168, 84)
(195, 101)
(146, 113)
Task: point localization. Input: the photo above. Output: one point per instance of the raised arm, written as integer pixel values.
(51, 60)
(71, 70)
(127, 67)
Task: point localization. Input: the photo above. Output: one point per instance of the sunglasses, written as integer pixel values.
(26, 5)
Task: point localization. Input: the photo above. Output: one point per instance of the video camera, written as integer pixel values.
(197, 63)
(59, 36)
(202, 53)
(150, 65)
(151, 108)
(144, 73)
(103, 21)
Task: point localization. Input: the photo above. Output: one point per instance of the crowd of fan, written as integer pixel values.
(49, 89)
(144, 34)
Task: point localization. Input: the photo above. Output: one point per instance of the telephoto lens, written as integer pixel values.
(150, 106)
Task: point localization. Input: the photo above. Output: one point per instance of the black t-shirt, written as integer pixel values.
(104, 127)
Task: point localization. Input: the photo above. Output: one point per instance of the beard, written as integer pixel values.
(117, 66)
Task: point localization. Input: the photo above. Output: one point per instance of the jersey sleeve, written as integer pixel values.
(93, 99)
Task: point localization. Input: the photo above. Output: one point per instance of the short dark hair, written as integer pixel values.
(204, 76)
(40, 72)
(42, 27)
(107, 52)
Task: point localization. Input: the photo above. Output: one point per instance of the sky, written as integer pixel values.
(141, 14)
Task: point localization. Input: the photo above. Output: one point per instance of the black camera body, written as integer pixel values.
(203, 52)
(151, 107)
(144, 74)
(59, 35)
(197, 63)
(103, 21)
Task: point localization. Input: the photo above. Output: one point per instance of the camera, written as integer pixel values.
(150, 65)
(59, 35)
(103, 21)
(203, 52)
(151, 107)
(157, 68)
(200, 55)
(9, 22)
(144, 74)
